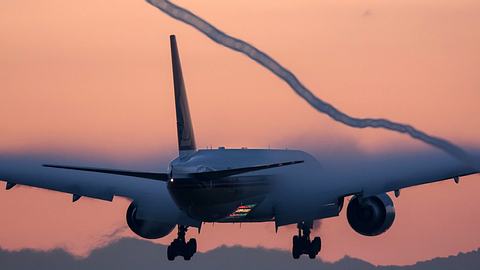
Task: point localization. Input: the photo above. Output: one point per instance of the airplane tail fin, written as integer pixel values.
(186, 138)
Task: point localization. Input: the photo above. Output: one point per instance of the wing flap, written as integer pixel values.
(74, 189)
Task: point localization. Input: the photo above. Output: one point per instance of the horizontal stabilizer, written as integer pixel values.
(165, 177)
(229, 172)
(149, 175)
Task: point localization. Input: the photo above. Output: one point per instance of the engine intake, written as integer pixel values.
(371, 216)
(146, 228)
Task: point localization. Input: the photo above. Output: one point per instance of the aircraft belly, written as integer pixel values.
(216, 200)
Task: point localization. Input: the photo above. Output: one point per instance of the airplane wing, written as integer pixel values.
(151, 195)
(434, 176)
(27, 171)
(380, 173)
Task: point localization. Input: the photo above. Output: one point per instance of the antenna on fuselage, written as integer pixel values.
(186, 138)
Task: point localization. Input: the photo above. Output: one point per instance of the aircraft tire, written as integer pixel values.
(190, 249)
(192, 245)
(296, 250)
(171, 252)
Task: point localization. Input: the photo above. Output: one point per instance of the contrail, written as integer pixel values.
(184, 15)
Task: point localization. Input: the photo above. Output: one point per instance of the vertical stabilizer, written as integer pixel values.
(186, 138)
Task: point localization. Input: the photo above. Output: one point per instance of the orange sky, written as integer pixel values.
(94, 79)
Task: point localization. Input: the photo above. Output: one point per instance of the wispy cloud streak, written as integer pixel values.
(186, 16)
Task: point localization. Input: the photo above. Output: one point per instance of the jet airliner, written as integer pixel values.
(239, 185)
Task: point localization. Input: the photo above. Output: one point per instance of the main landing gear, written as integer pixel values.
(179, 247)
(302, 243)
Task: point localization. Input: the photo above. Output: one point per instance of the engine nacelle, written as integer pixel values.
(146, 228)
(371, 216)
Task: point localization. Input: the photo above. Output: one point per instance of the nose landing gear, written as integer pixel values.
(179, 247)
(302, 243)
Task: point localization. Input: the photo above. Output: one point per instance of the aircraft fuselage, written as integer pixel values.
(239, 198)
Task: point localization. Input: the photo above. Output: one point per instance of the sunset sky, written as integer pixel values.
(91, 80)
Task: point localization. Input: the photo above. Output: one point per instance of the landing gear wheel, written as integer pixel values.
(190, 249)
(315, 247)
(179, 247)
(192, 246)
(302, 243)
(171, 252)
(296, 252)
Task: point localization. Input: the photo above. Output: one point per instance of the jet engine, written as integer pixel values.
(146, 228)
(371, 216)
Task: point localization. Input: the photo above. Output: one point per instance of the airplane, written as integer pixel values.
(243, 185)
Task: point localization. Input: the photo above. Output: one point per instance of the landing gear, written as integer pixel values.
(179, 247)
(302, 243)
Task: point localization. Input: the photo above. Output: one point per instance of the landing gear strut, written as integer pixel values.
(302, 243)
(179, 247)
